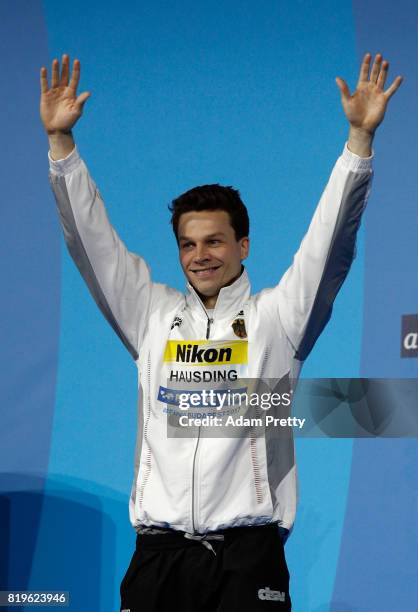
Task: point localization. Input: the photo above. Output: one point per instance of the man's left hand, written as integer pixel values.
(366, 108)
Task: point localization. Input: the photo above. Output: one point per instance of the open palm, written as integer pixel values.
(60, 107)
(366, 108)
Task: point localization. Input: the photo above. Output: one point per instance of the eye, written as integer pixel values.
(187, 245)
(214, 241)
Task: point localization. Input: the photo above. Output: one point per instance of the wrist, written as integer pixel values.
(360, 141)
(56, 134)
(60, 144)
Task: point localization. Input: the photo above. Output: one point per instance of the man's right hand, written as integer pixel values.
(60, 108)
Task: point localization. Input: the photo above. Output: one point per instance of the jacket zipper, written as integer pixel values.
(193, 482)
(209, 323)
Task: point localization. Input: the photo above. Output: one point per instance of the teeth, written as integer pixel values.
(205, 270)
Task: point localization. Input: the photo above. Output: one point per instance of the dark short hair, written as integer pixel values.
(212, 197)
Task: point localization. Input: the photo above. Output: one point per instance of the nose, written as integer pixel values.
(201, 253)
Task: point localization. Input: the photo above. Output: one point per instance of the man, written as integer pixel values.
(212, 514)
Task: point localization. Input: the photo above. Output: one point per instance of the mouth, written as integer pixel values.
(205, 272)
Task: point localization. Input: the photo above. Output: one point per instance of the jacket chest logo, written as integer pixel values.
(206, 352)
(238, 325)
(177, 322)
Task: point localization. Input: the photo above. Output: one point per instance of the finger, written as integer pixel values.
(64, 71)
(395, 85)
(82, 99)
(55, 73)
(364, 69)
(383, 74)
(343, 87)
(75, 77)
(44, 80)
(376, 68)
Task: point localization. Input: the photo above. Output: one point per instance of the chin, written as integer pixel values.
(205, 291)
(208, 292)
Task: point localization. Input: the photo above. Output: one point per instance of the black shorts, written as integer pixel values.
(169, 572)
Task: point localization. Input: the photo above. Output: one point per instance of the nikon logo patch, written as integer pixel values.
(206, 352)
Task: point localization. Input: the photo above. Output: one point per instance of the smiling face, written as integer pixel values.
(210, 254)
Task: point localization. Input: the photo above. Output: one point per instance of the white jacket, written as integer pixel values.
(197, 484)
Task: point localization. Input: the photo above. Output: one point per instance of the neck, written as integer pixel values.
(209, 302)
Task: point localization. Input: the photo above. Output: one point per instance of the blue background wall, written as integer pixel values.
(186, 93)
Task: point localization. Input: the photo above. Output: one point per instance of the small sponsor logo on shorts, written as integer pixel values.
(409, 337)
(268, 595)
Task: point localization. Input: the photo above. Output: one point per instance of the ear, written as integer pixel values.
(245, 247)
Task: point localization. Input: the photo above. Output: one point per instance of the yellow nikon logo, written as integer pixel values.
(206, 352)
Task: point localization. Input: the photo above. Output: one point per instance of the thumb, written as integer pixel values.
(81, 99)
(343, 87)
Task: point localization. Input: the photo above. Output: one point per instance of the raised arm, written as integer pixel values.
(305, 295)
(307, 290)
(118, 280)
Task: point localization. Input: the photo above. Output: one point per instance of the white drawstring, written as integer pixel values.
(204, 539)
(190, 536)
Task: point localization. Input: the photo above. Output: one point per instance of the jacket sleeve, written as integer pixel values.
(118, 280)
(304, 297)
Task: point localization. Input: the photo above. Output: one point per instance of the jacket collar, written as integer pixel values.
(230, 298)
